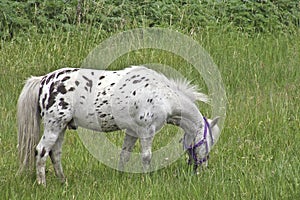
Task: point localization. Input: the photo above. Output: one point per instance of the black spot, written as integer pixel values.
(103, 115)
(60, 73)
(92, 73)
(63, 104)
(71, 89)
(65, 78)
(105, 101)
(99, 83)
(83, 97)
(147, 79)
(136, 81)
(134, 93)
(101, 77)
(43, 80)
(50, 78)
(86, 88)
(76, 83)
(43, 152)
(35, 153)
(141, 117)
(52, 96)
(112, 84)
(104, 93)
(61, 113)
(146, 85)
(89, 83)
(61, 89)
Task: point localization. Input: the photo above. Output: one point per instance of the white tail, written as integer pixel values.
(28, 118)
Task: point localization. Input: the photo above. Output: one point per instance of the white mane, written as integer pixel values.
(189, 90)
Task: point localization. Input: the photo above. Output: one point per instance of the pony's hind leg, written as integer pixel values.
(146, 144)
(146, 140)
(128, 144)
(55, 155)
(45, 145)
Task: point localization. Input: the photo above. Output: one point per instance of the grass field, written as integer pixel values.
(255, 158)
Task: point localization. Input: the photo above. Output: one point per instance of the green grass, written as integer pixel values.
(255, 158)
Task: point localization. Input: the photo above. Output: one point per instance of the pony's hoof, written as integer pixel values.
(41, 182)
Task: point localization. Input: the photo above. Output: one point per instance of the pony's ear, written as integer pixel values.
(214, 121)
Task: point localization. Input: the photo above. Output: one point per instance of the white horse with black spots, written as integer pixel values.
(136, 99)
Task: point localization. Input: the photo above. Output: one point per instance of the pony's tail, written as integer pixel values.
(28, 119)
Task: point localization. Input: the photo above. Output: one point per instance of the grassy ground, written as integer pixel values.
(255, 158)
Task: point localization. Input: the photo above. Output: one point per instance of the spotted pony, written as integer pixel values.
(136, 99)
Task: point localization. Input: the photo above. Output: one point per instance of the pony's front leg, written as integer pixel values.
(128, 144)
(42, 151)
(55, 155)
(146, 144)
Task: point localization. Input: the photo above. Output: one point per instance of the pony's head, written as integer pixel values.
(199, 151)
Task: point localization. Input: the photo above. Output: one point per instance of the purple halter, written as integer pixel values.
(192, 149)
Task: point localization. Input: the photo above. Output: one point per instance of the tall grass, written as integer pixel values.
(255, 158)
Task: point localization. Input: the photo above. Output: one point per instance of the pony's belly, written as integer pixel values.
(103, 123)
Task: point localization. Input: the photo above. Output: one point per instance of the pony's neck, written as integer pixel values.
(191, 121)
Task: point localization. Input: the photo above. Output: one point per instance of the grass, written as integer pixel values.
(255, 158)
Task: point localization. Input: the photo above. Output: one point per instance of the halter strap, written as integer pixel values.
(209, 129)
(201, 142)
